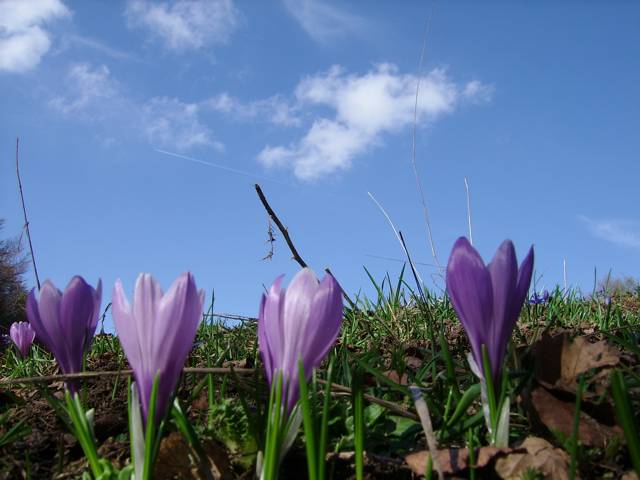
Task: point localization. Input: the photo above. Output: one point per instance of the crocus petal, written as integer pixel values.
(49, 308)
(504, 271)
(469, 286)
(77, 309)
(296, 316)
(270, 328)
(91, 328)
(182, 301)
(126, 326)
(33, 314)
(324, 323)
(525, 273)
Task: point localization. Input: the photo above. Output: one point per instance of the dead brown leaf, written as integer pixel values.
(396, 378)
(454, 460)
(413, 362)
(539, 455)
(175, 461)
(558, 361)
(557, 415)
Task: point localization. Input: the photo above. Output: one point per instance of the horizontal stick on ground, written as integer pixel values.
(335, 387)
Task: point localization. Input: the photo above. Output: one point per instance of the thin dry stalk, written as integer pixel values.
(413, 140)
(24, 211)
(466, 187)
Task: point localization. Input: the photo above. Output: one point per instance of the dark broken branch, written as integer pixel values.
(281, 227)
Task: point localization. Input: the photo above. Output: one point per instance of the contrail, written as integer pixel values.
(222, 167)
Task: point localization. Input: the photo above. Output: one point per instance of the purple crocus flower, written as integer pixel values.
(488, 299)
(22, 335)
(157, 333)
(538, 299)
(66, 322)
(300, 323)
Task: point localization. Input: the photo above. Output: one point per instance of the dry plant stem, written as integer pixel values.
(392, 407)
(230, 316)
(281, 227)
(466, 187)
(413, 142)
(24, 211)
(404, 248)
(425, 419)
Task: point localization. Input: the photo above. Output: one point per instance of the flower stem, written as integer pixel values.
(491, 394)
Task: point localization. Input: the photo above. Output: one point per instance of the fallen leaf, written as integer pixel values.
(395, 378)
(557, 415)
(540, 455)
(175, 460)
(413, 362)
(558, 361)
(454, 460)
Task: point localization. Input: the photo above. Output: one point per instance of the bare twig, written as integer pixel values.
(281, 227)
(116, 373)
(271, 240)
(104, 315)
(400, 411)
(413, 142)
(24, 211)
(231, 316)
(394, 408)
(466, 186)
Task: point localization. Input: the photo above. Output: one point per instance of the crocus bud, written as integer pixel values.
(488, 299)
(157, 333)
(66, 322)
(22, 335)
(300, 323)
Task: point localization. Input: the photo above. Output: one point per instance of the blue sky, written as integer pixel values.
(120, 106)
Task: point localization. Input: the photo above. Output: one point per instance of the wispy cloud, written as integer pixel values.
(185, 24)
(620, 232)
(23, 37)
(323, 21)
(275, 109)
(170, 123)
(73, 40)
(91, 94)
(365, 108)
(86, 87)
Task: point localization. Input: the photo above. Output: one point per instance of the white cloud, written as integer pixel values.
(170, 123)
(275, 109)
(478, 92)
(93, 95)
(365, 107)
(23, 39)
(322, 21)
(621, 232)
(86, 87)
(185, 24)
